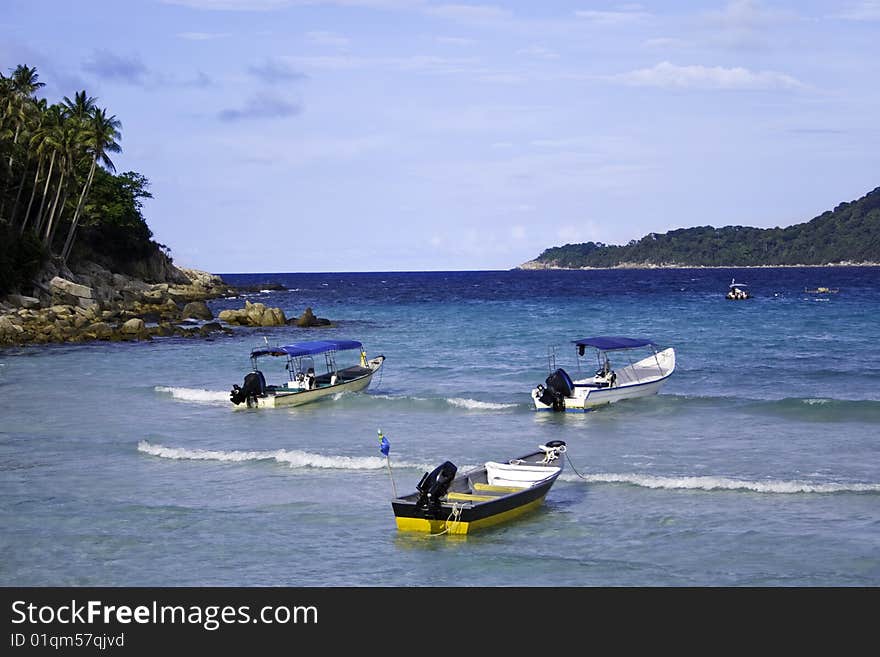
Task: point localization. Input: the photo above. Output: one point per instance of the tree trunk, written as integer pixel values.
(18, 193)
(51, 236)
(39, 223)
(68, 243)
(51, 219)
(27, 213)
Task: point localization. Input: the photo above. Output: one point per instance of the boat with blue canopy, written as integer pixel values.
(738, 291)
(625, 379)
(302, 362)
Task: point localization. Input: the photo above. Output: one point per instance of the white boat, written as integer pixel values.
(303, 384)
(737, 291)
(609, 383)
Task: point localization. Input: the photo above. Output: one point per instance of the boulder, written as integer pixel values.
(308, 319)
(133, 326)
(69, 287)
(254, 314)
(21, 301)
(197, 310)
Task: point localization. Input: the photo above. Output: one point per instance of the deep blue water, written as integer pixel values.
(758, 464)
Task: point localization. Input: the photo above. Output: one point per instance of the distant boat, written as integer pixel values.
(637, 379)
(822, 290)
(449, 503)
(738, 291)
(303, 384)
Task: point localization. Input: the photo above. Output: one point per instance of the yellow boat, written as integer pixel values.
(494, 493)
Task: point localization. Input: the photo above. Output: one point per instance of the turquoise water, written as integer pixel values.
(757, 465)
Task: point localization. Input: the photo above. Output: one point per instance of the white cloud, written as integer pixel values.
(619, 16)
(413, 63)
(666, 74)
(664, 42)
(867, 10)
(272, 5)
(201, 36)
(538, 52)
(469, 13)
(331, 39)
(747, 24)
(455, 41)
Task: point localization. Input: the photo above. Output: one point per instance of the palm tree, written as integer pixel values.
(34, 110)
(35, 146)
(81, 108)
(22, 85)
(50, 137)
(101, 135)
(68, 145)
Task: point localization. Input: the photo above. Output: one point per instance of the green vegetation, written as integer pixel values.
(57, 183)
(851, 233)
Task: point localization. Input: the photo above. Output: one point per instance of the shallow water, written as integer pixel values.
(125, 464)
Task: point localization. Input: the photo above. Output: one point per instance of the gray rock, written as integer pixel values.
(197, 310)
(69, 287)
(134, 325)
(21, 301)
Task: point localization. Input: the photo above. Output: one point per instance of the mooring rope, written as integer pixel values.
(456, 512)
(568, 458)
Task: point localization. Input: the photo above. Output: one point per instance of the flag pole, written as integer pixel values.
(385, 448)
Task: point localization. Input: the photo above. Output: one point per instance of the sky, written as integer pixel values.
(421, 135)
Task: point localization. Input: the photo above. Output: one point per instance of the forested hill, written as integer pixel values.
(848, 234)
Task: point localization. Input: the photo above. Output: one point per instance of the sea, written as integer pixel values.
(757, 465)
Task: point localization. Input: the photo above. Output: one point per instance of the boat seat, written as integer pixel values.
(469, 497)
(495, 489)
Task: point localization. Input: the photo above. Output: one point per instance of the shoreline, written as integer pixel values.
(535, 266)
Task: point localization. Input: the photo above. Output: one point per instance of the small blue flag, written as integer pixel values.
(384, 445)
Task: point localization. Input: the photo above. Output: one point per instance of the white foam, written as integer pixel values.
(293, 458)
(813, 402)
(475, 405)
(724, 483)
(199, 395)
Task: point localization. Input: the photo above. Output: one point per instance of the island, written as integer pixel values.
(78, 261)
(847, 235)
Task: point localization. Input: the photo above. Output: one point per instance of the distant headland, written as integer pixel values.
(849, 235)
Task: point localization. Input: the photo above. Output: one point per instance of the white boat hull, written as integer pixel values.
(282, 397)
(642, 379)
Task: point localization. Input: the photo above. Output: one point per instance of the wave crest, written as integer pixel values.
(709, 483)
(293, 458)
(476, 405)
(198, 395)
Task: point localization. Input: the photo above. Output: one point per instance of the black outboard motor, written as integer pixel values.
(254, 385)
(557, 387)
(435, 485)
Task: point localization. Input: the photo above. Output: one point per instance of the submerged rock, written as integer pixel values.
(308, 319)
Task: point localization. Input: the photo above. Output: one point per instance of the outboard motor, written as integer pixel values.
(556, 388)
(435, 485)
(254, 385)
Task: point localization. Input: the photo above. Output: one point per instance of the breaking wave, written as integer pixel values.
(723, 483)
(475, 405)
(198, 395)
(294, 458)
(806, 409)
(440, 403)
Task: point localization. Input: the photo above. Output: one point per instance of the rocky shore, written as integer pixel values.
(96, 304)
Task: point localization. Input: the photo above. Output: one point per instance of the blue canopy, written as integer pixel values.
(307, 348)
(612, 342)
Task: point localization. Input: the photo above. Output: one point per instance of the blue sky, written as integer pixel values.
(398, 135)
